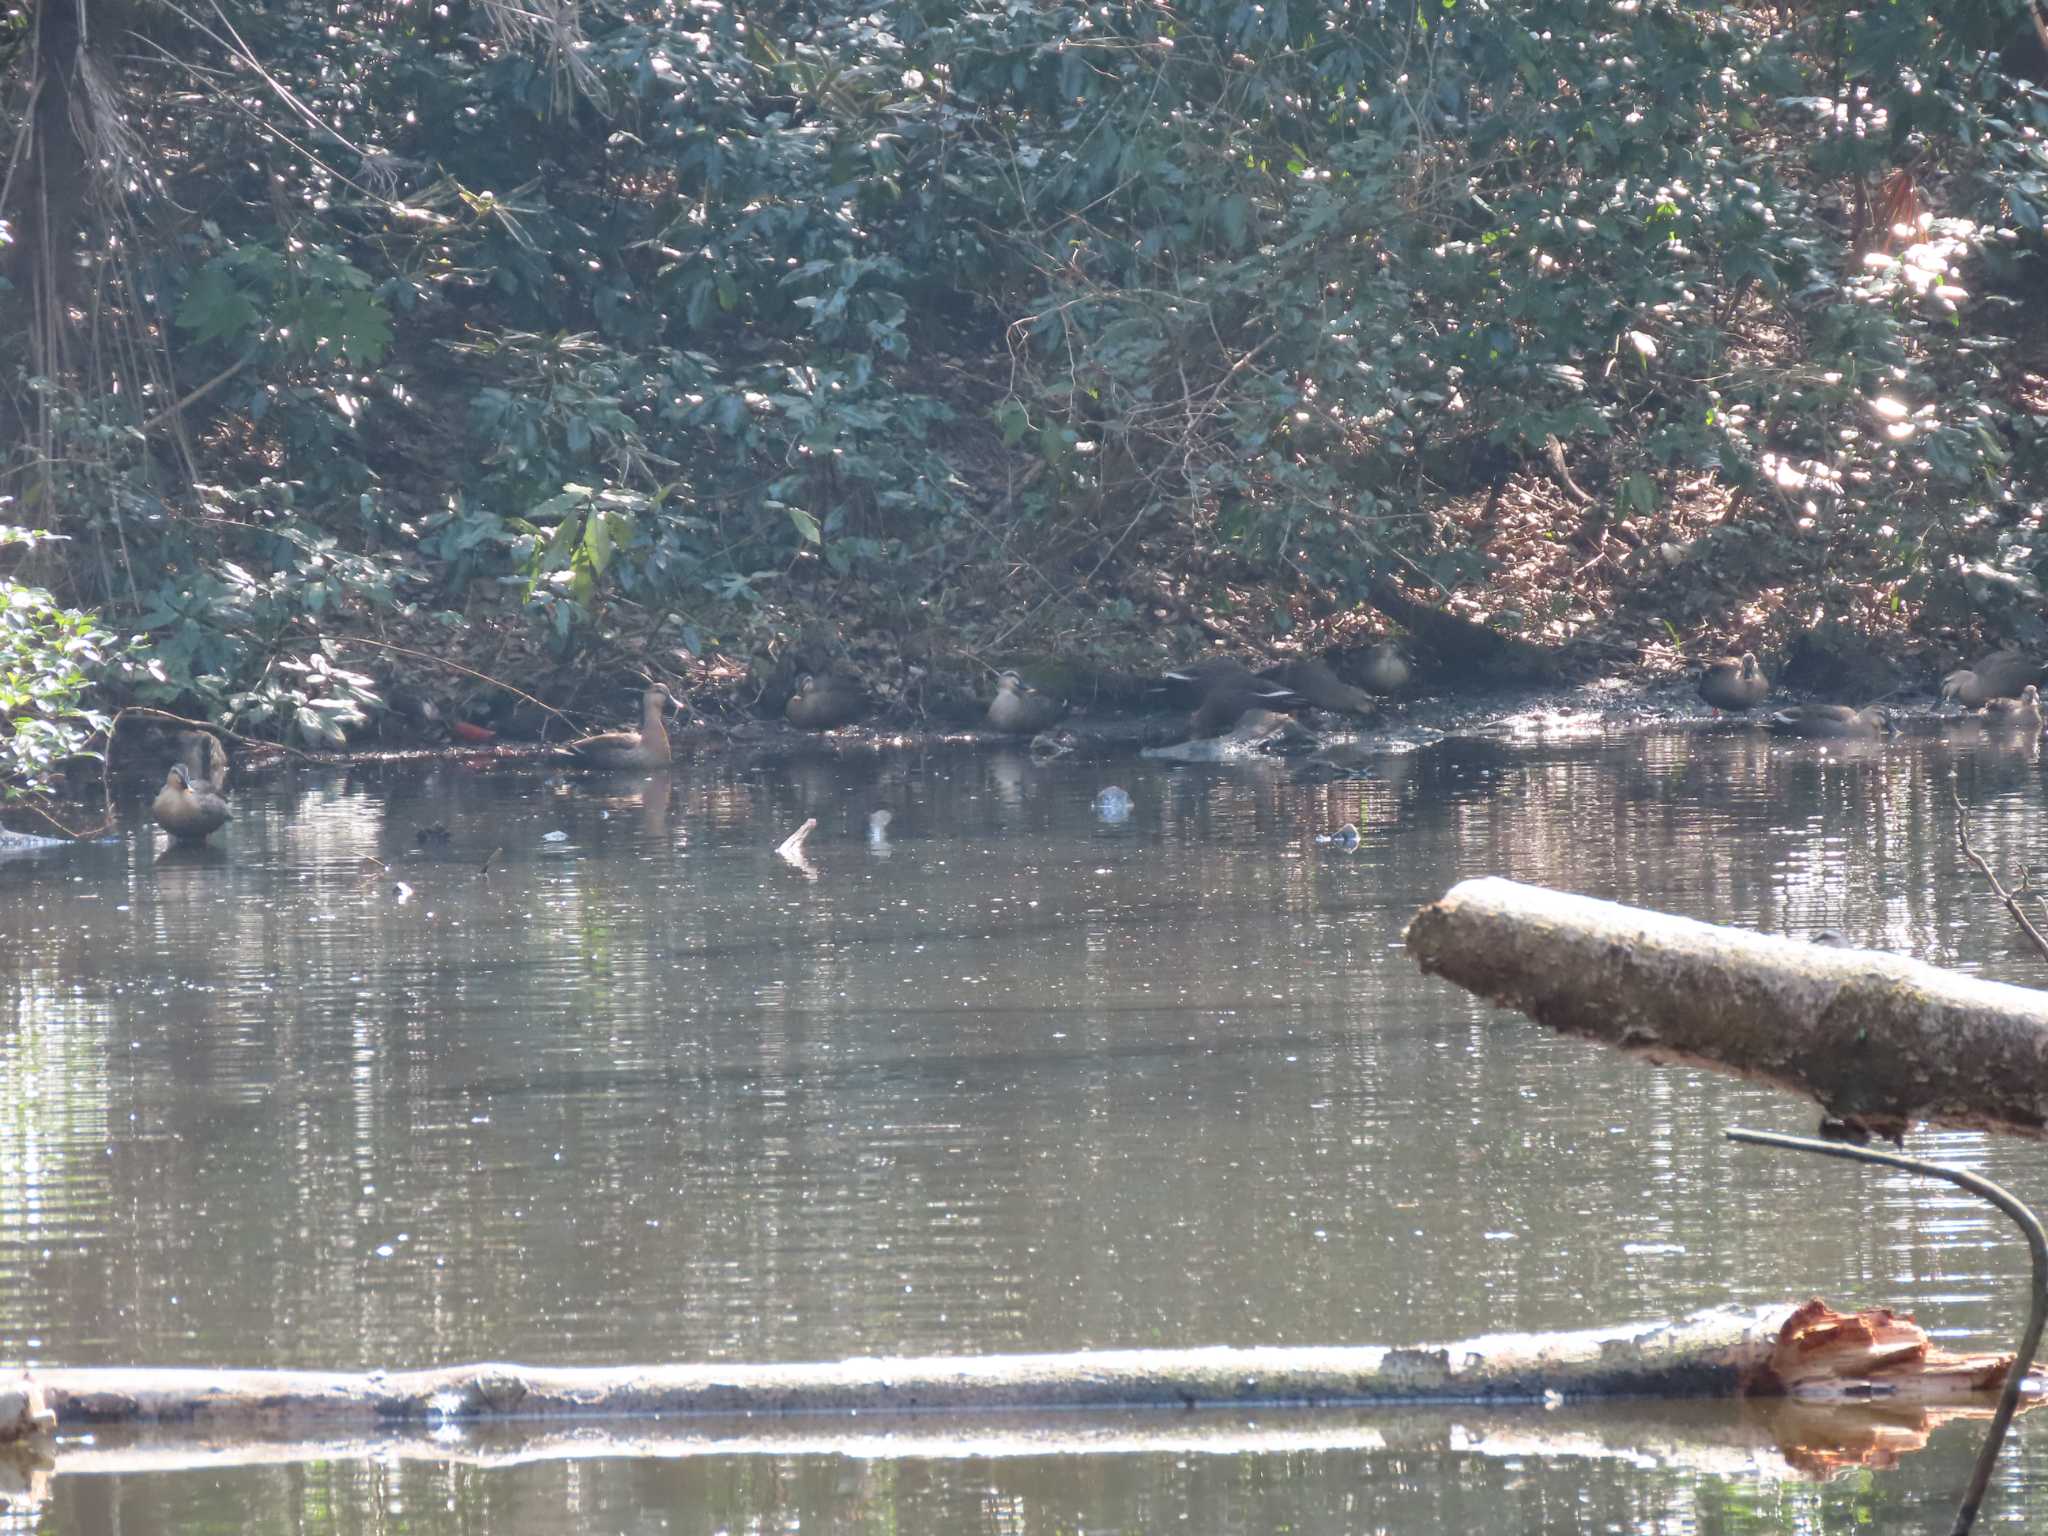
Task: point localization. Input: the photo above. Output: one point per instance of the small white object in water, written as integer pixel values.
(878, 827)
(403, 891)
(792, 846)
(554, 837)
(1345, 837)
(1113, 804)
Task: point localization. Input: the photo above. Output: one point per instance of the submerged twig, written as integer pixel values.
(2012, 904)
(2037, 1314)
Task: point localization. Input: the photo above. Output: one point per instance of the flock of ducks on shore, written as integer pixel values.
(1226, 699)
(1223, 695)
(2000, 688)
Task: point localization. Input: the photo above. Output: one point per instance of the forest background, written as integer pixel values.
(355, 354)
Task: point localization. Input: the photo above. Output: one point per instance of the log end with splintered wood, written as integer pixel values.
(1828, 1355)
(1881, 1041)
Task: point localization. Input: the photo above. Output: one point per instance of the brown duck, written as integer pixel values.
(819, 704)
(2022, 713)
(1209, 671)
(1831, 721)
(1191, 684)
(205, 760)
(187, 813)
(1734, 682)
(1227, 703)
(2001, 675)
(645, 748)
(1022, 709)
(1314, 683)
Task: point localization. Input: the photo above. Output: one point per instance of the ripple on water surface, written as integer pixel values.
(1006, 1075)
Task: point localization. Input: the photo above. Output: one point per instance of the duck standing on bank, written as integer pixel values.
(647, 747)
(1220, 689)
(1314, 683)
(1021, 709)
(1231, 700)
(190, 814)
(1836, 722)
(1189, 685)
(820, 704)
(1734, 682)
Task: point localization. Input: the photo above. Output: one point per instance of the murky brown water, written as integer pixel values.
(1016, 1078)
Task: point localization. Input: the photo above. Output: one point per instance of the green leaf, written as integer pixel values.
(215, 309)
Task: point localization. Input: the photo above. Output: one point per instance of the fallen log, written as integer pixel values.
(1724, 1351)
(1879, 1040)
(1715, 1352)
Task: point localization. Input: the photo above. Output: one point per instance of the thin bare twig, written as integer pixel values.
(2012, 904)
(453, 666)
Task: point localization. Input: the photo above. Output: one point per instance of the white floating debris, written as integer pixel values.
(554, 837)
(792, 846)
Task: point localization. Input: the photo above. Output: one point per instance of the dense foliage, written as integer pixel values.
(979, 323)
(49, 656)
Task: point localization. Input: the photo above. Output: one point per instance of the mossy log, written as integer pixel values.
(1880, 1040)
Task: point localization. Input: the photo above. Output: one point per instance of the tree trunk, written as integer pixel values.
(1879, 1040)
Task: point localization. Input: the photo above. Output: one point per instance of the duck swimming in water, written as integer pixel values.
(189, 814)
(820, 704)
(2022, 713)
(647, 747)
(1831, 722)
(1022, 709)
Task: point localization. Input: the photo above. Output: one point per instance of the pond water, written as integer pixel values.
(1015, 1077)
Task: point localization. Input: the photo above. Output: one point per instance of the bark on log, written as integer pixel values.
(1879, 1040)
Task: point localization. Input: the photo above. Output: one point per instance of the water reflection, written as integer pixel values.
(1037, 1079)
